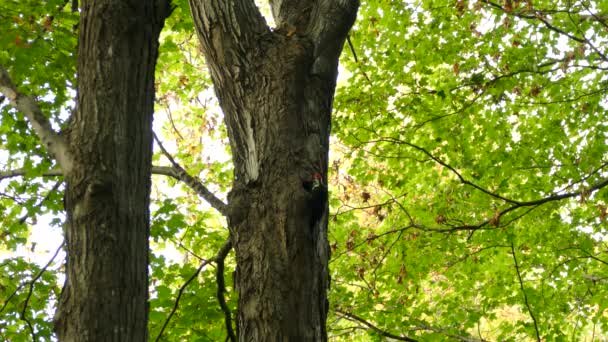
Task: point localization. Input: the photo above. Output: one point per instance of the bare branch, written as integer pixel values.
(54, 143)
(31, 290)
(448, 334)
(523, 291)
(353, 317)
(516, 204)
(352, 49)
(157, 170)
(221, 288)
(23, 172)
(220, 256)
(195, 184)
(460, 177)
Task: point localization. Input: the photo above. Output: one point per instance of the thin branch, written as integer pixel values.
(41, 202)
(448, 334)
(227, 245)
(181, 245)
(516, 204)
(170, 115)
(54, 143)
(31, 290)
(385, 254)
(460, 177)
(195, 184)
(521, 285)
(157, 170)
(23, 172)
(600, 19)
(8, 300)
(538, 15)
(179, 296)
(352, 49)
(353, 317)
(589, 42)
(221, 288)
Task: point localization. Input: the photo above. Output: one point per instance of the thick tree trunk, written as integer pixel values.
(276, 89)
(107, 195)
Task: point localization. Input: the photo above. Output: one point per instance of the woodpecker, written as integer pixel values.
(318, 200)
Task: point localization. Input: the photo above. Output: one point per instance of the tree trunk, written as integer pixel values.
(276, 89)
(107, 191)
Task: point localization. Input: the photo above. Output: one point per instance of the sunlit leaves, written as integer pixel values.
(511, 96)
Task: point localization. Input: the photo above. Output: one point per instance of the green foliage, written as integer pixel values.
(470, 109)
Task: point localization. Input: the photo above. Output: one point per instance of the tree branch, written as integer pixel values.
(220, 256)
(157, 170)
(23, 172)
(53, 142)
(221, 288)
(176, 172)
(460, 177)
(538, 15)
(195, 184)
(353, 317)
(516, 204)
(523, 291)
(31, 290)
(448, 334)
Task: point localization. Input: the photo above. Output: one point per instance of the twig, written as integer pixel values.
(195, 184)
(31, 290)
(521, 285)
(170, 115)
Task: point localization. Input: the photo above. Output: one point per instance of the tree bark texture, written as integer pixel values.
(105, 297)
(276, 89)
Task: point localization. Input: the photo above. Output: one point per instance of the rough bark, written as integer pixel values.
(276, 90)
(107, 189)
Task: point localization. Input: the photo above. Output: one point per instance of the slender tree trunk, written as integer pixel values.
(276, 89)
(107, 195)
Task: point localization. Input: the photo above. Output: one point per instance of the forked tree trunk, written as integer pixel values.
(276, 89)
(107, 194)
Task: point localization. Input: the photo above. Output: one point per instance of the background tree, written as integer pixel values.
(467, 175)
(105, 158)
